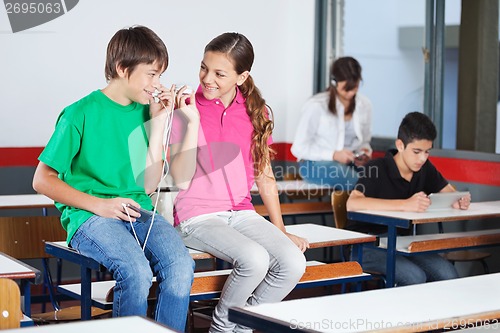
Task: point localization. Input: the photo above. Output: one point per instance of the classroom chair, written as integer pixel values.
(339, 201)
(10, 304)
(24, 238)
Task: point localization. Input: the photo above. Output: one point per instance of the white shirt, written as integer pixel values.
(320, 133)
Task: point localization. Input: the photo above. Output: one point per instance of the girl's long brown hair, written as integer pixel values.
(240, 51)
(344, 69)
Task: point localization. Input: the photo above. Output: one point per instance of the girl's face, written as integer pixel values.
(345, 95)
(218, 77)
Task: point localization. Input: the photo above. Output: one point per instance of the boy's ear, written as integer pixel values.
(400, 146)
(122, 72)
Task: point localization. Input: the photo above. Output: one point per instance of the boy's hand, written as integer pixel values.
(463, 203)
(419, 202)
(165, 101)
(115, 209)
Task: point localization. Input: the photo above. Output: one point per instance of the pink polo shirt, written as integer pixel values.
(224, 168)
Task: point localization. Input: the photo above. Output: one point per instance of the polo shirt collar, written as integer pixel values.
(391, 164)
(239, 98)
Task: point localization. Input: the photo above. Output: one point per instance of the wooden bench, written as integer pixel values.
(445, 241)
(209, 284)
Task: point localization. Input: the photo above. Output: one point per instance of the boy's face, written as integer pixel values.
(218, 77)
(415, 154)
(142, 82)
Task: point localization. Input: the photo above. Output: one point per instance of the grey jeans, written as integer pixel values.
(266, 263)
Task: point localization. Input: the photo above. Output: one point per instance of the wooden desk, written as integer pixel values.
(323, 236)
(417, 308)
(120, 324)
(393, 219)
(25, 201)
(14, 269)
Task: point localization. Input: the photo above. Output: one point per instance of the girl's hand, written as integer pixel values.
(302, 243)
(187, 105)
(344, 156)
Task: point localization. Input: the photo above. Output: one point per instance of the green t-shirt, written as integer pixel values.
(99, 147)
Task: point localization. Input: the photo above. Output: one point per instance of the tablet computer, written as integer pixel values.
(446, 199)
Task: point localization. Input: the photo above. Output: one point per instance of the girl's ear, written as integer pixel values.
(242, 78)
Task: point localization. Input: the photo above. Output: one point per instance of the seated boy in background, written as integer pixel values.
(402, 181)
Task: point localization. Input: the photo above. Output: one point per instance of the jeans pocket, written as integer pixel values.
(79, 235)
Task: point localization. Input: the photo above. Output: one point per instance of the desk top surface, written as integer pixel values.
(14, 269)
(477, 210)
(418, 307)
(324, 236)
(121, 324)
(21, 201)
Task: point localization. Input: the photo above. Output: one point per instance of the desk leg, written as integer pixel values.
(86, 298)
(26, 287)
(391, 257)
(357, 255)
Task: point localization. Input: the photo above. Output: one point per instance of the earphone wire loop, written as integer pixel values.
(132, 225)
(166, 140)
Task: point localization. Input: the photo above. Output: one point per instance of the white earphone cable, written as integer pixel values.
(165, 166)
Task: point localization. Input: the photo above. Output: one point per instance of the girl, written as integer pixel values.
(334, 135)
(213, 210)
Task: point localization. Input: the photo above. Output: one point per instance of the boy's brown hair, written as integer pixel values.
(132, 46)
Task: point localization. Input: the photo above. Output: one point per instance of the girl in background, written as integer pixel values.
(334, 133)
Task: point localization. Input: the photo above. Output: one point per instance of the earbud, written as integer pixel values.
(155, 95)
(333, 81)
(187, 91)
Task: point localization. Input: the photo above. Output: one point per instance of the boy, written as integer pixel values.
(90, 169)
(401, 181)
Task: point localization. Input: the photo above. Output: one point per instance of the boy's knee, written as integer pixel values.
(138, 280)
(409, 277)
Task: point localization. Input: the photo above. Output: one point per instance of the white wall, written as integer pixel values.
(50, 66)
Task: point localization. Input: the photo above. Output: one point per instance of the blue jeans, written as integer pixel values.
(410, 270)
(266, 263)
(337, 175)
(111, 242)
